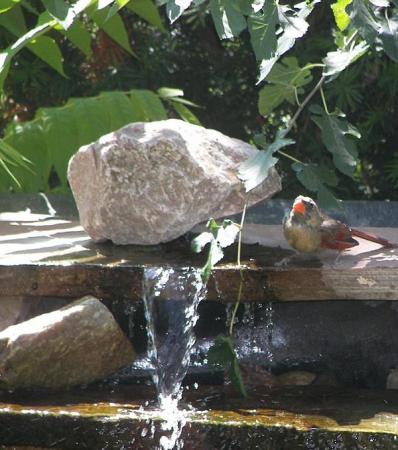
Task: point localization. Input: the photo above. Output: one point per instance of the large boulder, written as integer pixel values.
(152, 182)
(74, 345)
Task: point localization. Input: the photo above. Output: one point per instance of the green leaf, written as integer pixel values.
(316, 179)
(222, 353)
(335, 62)
(47, 49)
(336, 135)
(184, 112)
(13, 20)
(340, 15)
(6, 5)
(23, 41)
(286, 79)
(80, 37)
(227, 18)
(28, 139)
(113, 26)
(255, 170)
(175, 8)
(293, 25)
(363, 18)
(9, 156)
(61, 11)
(262, 28)
(147, 106)
(148, 11)
(389, 37)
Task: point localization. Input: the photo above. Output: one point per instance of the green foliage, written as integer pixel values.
(376, 22)
(63, 17)
(56, 133)
(223, 353)
(219, 237)
(340, 14)
(317, 179)
(335, 62)
(285, 83)
(255, 170)
(262, 27)
(337, 136)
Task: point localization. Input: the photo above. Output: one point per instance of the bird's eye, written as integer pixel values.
(309, 205)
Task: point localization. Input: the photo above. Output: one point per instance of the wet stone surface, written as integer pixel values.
(125, 417)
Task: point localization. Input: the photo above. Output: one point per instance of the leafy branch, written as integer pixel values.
(220, 236)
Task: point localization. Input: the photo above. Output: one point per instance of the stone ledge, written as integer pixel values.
(50, 257)
(288, 418)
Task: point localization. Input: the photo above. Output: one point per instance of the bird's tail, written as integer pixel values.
(372, 238)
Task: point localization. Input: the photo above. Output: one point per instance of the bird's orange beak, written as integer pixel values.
(299, 208)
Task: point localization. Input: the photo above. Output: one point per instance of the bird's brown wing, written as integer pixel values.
(336, 235)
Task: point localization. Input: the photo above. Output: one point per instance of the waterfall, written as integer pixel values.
(171, 299)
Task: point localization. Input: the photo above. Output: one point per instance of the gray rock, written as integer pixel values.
(152, 182)
(10, 310)
(74, 345)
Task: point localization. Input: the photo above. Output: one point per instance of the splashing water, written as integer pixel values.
(171, 299)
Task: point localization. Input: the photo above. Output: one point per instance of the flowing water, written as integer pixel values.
(171, 299)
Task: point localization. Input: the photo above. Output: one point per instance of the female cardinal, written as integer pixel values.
(308, 230)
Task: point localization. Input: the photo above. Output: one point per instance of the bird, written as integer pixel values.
(308, 230)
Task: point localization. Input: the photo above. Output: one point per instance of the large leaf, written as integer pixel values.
(29, 140)
(147, 106)
(227, 18)
(294, 25)
(337, 136)
(262, 27)
(363, 18)
(389, 36)
(10, 158)
(340, 14)
(316, 179)
(255, 170)
(285, 82)
(148, 11)
(335, 62)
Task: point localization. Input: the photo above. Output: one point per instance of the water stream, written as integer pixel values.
(171, 299)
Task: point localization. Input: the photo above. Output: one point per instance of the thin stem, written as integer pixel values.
(351, 38)
(242, 221)
(237, 303)
(286, 155)
(296, 96)
(238, 261)
(303, 104)
(324, 101)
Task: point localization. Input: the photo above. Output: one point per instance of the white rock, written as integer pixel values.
(152, 182)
